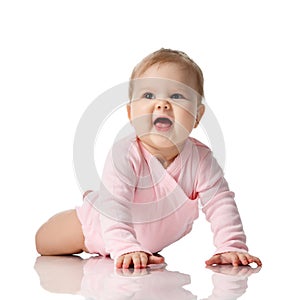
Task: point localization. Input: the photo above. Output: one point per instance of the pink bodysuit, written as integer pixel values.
(141, 206)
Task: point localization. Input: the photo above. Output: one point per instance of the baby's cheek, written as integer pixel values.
(142, 124)
(186, 115)
(188, 122)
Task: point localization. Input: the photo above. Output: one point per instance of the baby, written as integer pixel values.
(154, 182)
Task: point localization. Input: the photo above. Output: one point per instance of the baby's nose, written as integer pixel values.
(162, 105)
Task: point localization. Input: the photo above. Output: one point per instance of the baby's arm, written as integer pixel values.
(221, 211)
(116, 217)
(116, 229)
(229, 236)
(137, 259)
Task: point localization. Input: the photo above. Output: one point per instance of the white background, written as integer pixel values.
(58, 56)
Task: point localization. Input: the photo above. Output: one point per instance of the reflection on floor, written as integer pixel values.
(96, 278)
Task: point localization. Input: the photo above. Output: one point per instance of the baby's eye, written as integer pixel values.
(149, 95)
(177, 96)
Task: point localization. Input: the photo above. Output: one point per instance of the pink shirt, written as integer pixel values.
(145, 207)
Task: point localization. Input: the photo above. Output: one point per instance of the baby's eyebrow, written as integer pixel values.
(178, 90)
(142, 86)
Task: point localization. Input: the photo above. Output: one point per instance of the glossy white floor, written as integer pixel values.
(58, 56)
(184, 277)
(95, 278)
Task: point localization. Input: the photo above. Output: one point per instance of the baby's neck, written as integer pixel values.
(164, 155)
(163, 161)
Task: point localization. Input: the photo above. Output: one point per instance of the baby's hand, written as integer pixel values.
(234, 258)
(138, 260)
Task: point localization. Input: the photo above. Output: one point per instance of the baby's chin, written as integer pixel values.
(160, 142)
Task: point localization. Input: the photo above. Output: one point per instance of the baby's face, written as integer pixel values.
(164, 107)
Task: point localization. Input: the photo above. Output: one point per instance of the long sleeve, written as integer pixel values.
(219, 207)
(115, 203)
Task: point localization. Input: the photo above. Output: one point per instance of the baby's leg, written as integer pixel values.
(61, 235)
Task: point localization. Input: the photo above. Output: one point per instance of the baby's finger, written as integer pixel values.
(144, 260)
(254, 259)
(216, 259)
(119, 262)
(235, 259)
(136, 260)
(155, 259)
(127, 261)
(243, 259)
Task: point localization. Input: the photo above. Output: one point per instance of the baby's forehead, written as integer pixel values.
(160, 84)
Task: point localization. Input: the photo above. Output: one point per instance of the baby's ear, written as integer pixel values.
(200, 113)
(128, 107)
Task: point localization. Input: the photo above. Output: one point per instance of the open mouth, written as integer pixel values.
(162, 123)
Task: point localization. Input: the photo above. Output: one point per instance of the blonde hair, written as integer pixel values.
(169, 56)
